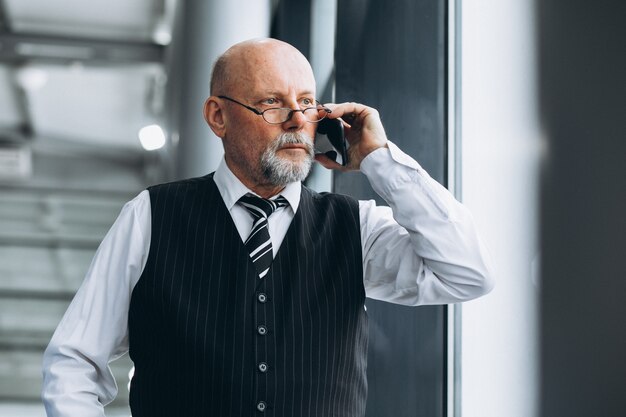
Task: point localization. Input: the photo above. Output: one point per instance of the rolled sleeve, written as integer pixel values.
(423, 248)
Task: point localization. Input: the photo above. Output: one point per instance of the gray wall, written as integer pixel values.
(391, 56)
(583, 312)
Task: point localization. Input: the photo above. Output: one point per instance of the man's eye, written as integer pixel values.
(308, 102)
(270, 101)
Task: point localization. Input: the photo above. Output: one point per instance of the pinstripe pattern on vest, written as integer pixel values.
(195, 312)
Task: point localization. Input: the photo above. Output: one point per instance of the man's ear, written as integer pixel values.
(214, 116)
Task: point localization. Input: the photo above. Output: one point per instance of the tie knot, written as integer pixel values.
(262, 207)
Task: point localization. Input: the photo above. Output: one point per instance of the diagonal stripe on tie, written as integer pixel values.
(259, 243)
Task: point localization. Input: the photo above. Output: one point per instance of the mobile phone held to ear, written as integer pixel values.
(331, 141)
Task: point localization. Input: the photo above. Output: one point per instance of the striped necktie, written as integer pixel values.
(259, 244)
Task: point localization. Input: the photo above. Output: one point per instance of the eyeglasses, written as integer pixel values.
(279, 115)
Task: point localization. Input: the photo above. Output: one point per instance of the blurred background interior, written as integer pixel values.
(518, 107)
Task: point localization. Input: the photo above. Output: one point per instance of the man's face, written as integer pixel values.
(257, 152)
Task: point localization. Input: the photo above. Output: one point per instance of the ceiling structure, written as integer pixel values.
(78, 80)
(90, 72)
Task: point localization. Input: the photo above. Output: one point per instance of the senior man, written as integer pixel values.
(242, 292)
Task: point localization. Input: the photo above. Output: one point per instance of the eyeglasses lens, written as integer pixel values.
(281, 115)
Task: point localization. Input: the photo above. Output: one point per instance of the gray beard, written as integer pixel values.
(279, 171)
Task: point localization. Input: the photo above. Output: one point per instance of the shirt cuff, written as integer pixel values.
(383, 156)
(389, 168)
(392, 173)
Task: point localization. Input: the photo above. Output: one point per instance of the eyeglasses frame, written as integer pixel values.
(291, 111)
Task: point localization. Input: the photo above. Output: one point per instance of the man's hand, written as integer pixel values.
(363, 130)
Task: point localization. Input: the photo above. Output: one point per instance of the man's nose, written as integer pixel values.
(297, 121)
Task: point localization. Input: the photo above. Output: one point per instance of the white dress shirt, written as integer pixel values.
(423, 249)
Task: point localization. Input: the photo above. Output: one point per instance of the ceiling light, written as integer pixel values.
(162, 34)
(162, 37)
(152, 137)
(31, 79)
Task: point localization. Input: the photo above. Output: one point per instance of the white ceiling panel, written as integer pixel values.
(112, 19)
(103, 105)
(9, 109)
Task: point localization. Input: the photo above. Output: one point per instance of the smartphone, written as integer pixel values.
(331, 141)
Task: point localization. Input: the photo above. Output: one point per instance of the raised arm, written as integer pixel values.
(423, 248)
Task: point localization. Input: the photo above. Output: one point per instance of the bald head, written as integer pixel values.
(246, 61)
(249, 79)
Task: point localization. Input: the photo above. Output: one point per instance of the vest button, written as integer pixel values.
(263, 367)
(262, 297)
(262, 330)
(261, 406)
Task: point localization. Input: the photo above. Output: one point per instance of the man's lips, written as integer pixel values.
(294, 146)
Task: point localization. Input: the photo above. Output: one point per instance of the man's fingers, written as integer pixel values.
(363, 129)
(356, 116)
(349, 112)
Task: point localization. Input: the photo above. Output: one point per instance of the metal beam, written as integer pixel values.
(71, 148)
(5, 26)
(24, 47)
(23, 107)
(10, 342)
(43, 240)
(28, 294)
(33, 187)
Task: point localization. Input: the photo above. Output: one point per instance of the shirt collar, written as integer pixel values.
(231, 189)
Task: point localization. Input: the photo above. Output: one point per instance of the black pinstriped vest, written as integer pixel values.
(198, 313)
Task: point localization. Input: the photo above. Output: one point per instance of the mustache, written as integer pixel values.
(294, 138)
